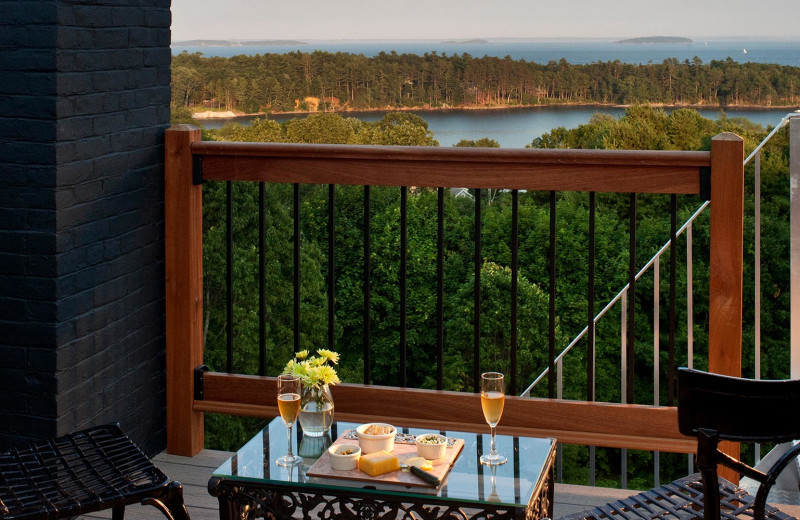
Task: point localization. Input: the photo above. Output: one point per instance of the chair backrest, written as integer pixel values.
(738, 409)
(714, 407)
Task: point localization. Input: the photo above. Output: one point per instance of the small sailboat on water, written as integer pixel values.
(744, 51)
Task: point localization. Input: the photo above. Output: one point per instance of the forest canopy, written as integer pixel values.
(324, 81)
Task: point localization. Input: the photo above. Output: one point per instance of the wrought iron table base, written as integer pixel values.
(245, 501)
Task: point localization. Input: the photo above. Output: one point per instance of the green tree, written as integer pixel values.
(483, 142)
(398, 128)
(321, 128)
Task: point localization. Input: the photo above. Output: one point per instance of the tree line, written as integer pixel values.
(324, 81)
(640, 128)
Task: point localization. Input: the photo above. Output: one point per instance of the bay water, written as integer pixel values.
(514, 127)
(779, 51)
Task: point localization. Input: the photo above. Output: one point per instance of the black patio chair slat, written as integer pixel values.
(94, 469)
(680, 499)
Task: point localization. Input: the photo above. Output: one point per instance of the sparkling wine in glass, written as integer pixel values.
(493, 397)
(289, 407)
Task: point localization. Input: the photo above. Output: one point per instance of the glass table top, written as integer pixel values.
(509, 484)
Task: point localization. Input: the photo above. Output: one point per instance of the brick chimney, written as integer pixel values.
(84, 102)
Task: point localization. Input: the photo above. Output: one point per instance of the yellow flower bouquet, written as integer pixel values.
(315, 370)
(316, 374)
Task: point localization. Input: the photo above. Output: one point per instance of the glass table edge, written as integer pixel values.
(397, 490)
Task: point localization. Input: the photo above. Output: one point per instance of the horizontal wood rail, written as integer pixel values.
(719, 173)
(561, 170)
(572, 422)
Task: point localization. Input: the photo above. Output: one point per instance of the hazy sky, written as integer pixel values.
(438, 19)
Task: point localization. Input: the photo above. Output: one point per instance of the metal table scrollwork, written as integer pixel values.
(250, 484)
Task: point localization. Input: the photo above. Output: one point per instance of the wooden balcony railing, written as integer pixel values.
(718, 174)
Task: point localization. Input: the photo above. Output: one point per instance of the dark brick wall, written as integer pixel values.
(82, 273)
(28, 271)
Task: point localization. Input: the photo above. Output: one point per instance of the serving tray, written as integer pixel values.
(322, 467)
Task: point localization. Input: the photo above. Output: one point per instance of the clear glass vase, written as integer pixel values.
(316, 410)
(314, 447)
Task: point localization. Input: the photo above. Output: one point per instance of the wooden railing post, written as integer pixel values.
(726, 264)
(726, 258)
(183, 237)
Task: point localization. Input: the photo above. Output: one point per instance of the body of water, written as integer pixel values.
(514, 127)
(782, 52)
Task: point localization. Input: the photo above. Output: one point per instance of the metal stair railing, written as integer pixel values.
(654, 261)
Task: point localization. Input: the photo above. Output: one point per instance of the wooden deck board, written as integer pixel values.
(194, 472)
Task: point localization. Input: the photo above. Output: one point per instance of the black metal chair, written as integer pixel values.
(90, 470)
(712, 408)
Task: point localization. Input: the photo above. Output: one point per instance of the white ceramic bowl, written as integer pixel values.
(343, 461)
(432, 446)
(372, 442)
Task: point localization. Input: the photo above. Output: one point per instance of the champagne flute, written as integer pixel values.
(289, 407)
(493, 397)
(493, 496)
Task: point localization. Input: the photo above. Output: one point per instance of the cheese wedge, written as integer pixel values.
(378, 463)
(420, 462)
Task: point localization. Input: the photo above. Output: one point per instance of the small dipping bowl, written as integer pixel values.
(374, 437)
(431, 446)
(343, 461)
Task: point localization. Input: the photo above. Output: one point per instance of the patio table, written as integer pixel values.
(250, 484)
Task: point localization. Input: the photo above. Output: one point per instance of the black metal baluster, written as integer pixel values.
(440, 290)
(366, 286)
(476, 362)
(631, 300)
(590, 354)
(517, 465)
(262, 271)
(480, 468)
(403, 277)
(296, 267)
(331, 265)
(514, 288)
(229, 275)
(673, 253)
(551, 334)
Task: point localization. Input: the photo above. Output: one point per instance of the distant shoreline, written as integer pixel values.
(231, 114)
(671, 40)
(463, 42)
(236, 43)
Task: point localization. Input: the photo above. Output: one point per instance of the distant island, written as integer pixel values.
(236, 43)
(657, 39)
(472, 41)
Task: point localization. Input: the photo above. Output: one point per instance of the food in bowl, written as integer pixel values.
(378, 429)
(344, 457)
(374, 437)
(431, 445)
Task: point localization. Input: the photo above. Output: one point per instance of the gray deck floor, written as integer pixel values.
(194, 472)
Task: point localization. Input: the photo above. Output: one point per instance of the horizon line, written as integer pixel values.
(694, 39)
